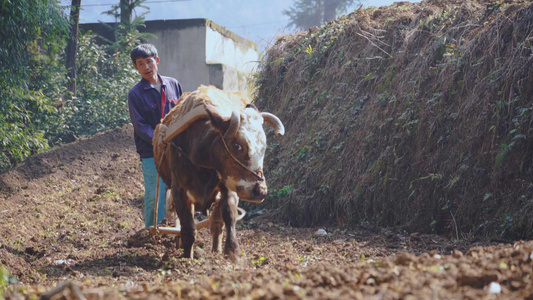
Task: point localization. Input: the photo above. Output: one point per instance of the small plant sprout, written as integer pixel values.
(309, 50)
(260, 261)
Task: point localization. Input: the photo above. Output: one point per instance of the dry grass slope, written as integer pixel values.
(416, 115)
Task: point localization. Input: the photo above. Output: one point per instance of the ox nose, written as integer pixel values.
(260, 190)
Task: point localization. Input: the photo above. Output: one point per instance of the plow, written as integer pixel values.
(156, 230)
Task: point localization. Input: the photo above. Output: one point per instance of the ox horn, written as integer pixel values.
(275, 122)
(233, 125)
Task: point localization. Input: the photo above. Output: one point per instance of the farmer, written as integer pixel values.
(149, 101)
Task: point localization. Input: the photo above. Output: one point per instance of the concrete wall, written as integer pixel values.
(199, 51)
(237, 56)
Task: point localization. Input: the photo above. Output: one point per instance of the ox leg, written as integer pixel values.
(185, 211)
(217, 225)
(230, 201)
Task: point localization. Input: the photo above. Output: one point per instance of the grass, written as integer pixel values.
(425, 130)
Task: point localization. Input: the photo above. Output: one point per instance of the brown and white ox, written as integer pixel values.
(213, 154)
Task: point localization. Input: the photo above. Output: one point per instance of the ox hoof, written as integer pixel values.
(234, 257)
(188, 253)
(234, 252)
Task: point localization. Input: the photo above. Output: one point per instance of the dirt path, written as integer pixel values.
(73, 215)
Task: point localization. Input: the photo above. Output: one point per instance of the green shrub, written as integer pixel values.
(103, 83)
(30, 41)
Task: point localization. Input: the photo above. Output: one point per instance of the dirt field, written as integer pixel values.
(74, 214)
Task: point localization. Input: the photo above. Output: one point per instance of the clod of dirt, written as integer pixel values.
(140, 238)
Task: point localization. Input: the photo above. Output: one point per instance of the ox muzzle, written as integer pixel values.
(253, 191)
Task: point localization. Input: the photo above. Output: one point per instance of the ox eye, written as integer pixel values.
(238, 147)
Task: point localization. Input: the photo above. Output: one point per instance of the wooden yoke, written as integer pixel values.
(181, 124)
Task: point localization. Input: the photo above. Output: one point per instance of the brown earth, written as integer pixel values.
(72, 217)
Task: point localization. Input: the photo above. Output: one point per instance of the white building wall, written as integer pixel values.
(224, 50)
(198, 51)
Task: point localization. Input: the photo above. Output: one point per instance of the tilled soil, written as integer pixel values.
(72, 224)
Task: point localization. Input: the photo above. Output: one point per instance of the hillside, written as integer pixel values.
(417, 115)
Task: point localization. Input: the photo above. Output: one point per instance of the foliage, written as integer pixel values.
(125, 6)
(105, 75)
(103, 84)
(126, 32)
(30, 39)
(308, 13)
(5, 280)
(33, 113)
(285, 190)
(28, 26)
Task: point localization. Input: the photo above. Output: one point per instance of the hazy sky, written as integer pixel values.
(257, 20)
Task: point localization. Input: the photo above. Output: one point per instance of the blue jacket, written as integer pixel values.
(144, 103)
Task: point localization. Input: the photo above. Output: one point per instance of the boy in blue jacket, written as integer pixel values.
(149, 101)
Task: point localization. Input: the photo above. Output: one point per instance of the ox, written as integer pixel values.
(209, 150)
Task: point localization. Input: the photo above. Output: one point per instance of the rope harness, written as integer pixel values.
(255, 174)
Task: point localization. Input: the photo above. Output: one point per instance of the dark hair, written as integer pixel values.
(143, 51)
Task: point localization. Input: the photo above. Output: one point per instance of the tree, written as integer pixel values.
(72, 46)
(127, 33)
(308, 13)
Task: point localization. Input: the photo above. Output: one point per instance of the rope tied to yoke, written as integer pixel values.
(255, 174)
